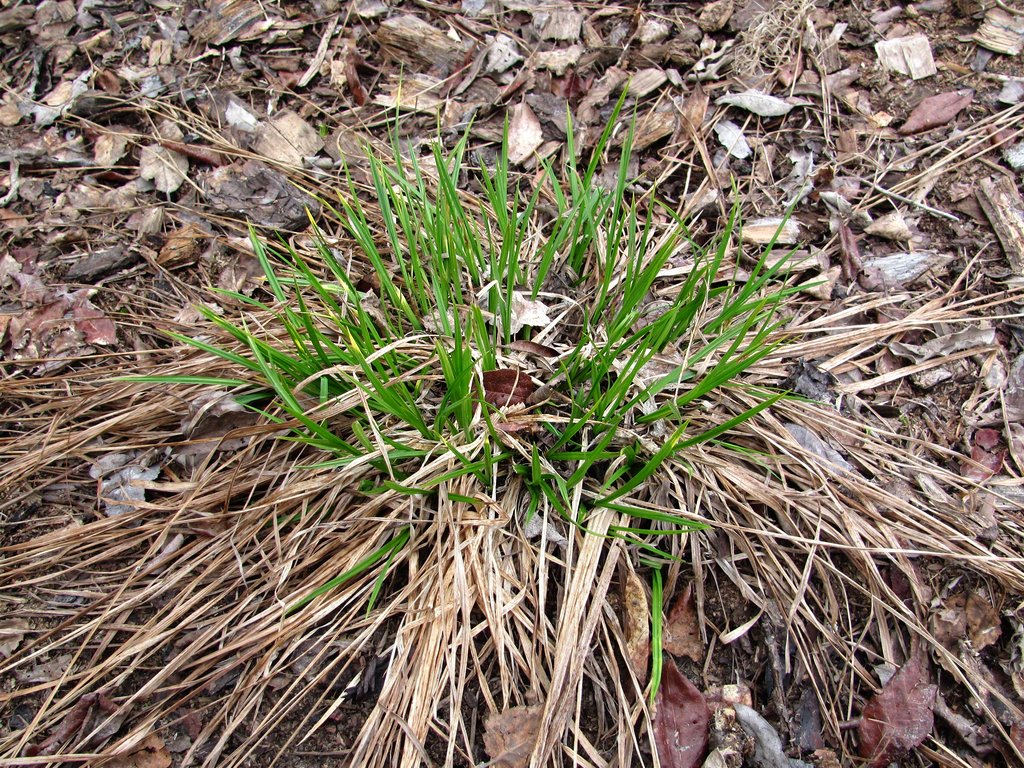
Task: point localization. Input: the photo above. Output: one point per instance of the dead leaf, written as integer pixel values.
(90, 321)
(110, 147)
(636, 624)
(682, 628)
(72, 723)
(288, 139)
(12, 632)
(762, 104)
(526, 311)
(681, 720)
(166, 168)
(533, 348)
(731, 137)
(506, 386)
(510, 736)
(900, 717)
(983, 621)
(524, 134)
(150, 753)
(695, 108)
(987, 456)
(937, 110)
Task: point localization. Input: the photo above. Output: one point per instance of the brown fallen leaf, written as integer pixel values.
(636, 624)
(936, 111)
(150, 753)
(900, 717)
(682, 630)
(509, 736)
(507, 386)
(72, 723)
(983, 621)
(681, 720)
(524, 134)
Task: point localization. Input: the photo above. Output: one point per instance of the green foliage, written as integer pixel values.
(393, 378)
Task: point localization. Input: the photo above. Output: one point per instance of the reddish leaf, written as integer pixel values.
(506, 386)
(682, 630)
(937, 110)
(900, 717)
(680, 721)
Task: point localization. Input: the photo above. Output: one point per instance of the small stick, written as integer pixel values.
(909, 201)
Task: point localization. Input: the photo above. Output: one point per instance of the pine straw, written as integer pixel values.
(476, 616)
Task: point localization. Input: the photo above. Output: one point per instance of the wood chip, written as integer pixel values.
(559, 24)
(1001, 32)
(910, 56)
(645, 81)
(414, 41)
(557, 61)
(227, 20)
(761, 231)
(1002, 204)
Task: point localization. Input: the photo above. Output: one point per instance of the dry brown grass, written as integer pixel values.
(473, 604)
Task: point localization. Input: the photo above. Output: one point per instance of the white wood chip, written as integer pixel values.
(910, 56)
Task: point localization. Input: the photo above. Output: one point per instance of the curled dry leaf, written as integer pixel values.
(635, 613)
(509, 736)
(507, 386)
(900, 717)
(936, 111)
(682, 628)
(681, 720)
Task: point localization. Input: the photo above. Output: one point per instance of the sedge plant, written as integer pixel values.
(372, 349)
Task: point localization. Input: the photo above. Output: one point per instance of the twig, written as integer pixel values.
(915, 203)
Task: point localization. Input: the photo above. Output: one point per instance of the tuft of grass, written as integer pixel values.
(377, 359)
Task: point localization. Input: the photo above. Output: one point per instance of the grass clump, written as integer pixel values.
(400, 353)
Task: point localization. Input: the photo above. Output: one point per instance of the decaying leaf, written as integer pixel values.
(983, 621)
(287, 138)
(899, 717)
(166, 168)
(524, 134)
(506, 386)
(682, 628)
(12, 632)
(937, 110)
(526, 311)
(509, 736)
(761, 104)
(87, 707)
(681, 720)
(151, 753)
(636, 613)
(731, 137)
